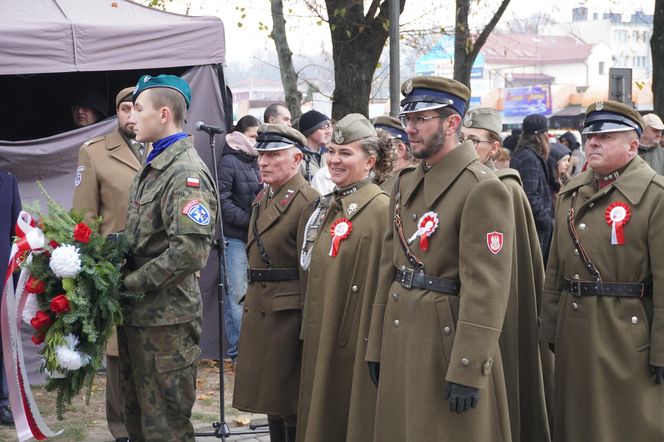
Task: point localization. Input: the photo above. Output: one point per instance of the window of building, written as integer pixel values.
(601, 68)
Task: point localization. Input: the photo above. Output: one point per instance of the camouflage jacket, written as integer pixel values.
(171, 221)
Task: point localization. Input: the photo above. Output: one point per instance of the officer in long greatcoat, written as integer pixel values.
(528, 368)
(342, 246)
(268, 367)
(448, 258)
(603, 299)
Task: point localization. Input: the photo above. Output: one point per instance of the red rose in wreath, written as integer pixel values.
(34, 285)
(82, 232)
(41, 320)
(60, 304)
(38, 338)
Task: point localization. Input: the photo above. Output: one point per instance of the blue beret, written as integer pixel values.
(167, 81)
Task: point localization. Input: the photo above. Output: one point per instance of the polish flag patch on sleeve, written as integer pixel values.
(193, 182)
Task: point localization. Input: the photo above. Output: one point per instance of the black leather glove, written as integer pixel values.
(374, 372)
(658, 372)
(552, 347)
(461, 398)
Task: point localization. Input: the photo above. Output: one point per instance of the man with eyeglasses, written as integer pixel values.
(445, 279)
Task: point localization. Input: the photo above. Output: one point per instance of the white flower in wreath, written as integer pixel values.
(30, 309)
(65, 261)
(67, 356)
(55, 374)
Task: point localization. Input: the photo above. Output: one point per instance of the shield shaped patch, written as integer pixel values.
(494, 241)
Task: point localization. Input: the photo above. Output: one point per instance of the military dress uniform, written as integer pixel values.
(170, 222)
(342, 250)
(438, 316)
(106, 167)
(528, 368)
(268, 367)
(603, 299)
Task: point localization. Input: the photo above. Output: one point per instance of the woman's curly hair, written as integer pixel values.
(385, 152)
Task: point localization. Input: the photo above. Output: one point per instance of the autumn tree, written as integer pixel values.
(657, 49)
(467, 45)
(289, 76)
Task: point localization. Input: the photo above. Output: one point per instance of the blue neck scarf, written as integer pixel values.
(161, 145)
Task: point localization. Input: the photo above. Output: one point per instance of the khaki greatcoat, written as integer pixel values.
(528, 369)
(337, 397)
(106, 168)
(268, 366)
(424, 338)
(605, 345)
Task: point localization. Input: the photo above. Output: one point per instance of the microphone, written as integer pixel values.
(210, 130)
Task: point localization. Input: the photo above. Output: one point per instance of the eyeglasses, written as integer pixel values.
(417, 120)
(476, 142)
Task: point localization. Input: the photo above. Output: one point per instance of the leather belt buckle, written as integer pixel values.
(575, 292)
(406, 279)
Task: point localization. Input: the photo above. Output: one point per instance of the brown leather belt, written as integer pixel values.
(134, 263)
(410, 278)
(619, 289)
(272, 275)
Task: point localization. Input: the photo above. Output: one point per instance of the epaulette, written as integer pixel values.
(94, 140)
(509, 173)
(260, 195)
(309, 193)
(659, 180)
(480, 171)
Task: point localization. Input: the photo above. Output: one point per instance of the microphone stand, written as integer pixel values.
(221, 429)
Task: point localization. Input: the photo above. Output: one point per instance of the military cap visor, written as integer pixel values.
(267, 141)
(600, 122)
(421, 99)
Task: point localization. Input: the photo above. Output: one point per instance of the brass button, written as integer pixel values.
(635, 320)
(396, 323)
(354, 288)
(576, 276)
(246, 309)
(591, 205)
(403, 268)
(576, 252)
(486, 368)
(465, 362)
(414, 216)
(447, 330)
(575, 306)
(395, 296)
(582, 226)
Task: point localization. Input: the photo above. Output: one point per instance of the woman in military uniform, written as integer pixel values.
(341, 250)
(269, 353)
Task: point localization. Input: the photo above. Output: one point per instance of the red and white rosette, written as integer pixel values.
(339, 231)
(29, 422)
(427, 224)
(617, 215)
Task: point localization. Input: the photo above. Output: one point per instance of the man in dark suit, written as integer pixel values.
(10, 206)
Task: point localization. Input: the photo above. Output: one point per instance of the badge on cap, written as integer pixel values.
(197, 212)
(193, 182)
(338, 136)
(599, 105)
(426, 226)
(468, 120)
(494, 241)
(408, 86)
(617, 215)
(339, 231)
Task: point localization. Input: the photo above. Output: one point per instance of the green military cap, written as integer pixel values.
(392, 126)
(166, 81)
(273, 137)
(425, 93)
(611, 116)
(125, 94)
(483, 118)
(351, 128)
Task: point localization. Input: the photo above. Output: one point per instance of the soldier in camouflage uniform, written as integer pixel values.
(171, 219)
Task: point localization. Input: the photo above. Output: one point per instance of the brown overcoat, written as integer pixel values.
(106, 169)
(268, 364)
(423, 338)
(337, 397)
(528, 373)
(605, 345)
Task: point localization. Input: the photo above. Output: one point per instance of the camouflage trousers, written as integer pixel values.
(158, 371)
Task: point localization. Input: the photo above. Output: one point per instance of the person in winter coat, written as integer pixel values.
(238, 185)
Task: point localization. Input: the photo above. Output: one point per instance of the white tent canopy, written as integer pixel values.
(73, 35)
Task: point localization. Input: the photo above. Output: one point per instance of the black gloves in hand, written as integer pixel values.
(374, 372)
(658, 372)
(461, 398)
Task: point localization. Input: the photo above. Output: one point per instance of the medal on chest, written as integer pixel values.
(426, 226)
(617, 215)
(339, 231)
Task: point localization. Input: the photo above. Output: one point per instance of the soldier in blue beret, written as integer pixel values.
(170, 222)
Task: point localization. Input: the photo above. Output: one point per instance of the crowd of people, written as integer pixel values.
(389, 280)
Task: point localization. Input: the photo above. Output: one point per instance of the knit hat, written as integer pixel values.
(312, 120)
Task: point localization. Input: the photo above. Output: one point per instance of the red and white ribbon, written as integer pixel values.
(339, 231)
(29, 422)
(617, 215)
(427, 224)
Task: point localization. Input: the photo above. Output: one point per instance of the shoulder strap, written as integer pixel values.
(398, 227)
(261, 247)
(577, 242)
